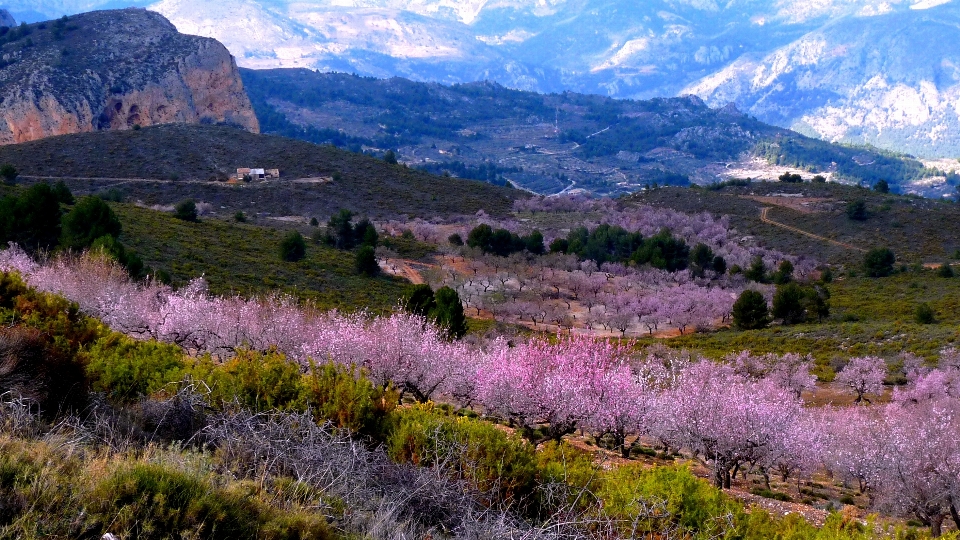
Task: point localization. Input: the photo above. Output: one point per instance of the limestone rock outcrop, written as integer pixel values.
(114, 70)
(6, 19)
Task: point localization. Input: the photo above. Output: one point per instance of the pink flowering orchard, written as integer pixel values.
(741, 416)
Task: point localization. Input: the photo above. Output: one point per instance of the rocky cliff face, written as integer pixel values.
(6, 19)
(114, 70)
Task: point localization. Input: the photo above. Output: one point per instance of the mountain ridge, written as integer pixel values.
(616, 48)
(903, 97)
(552, 143)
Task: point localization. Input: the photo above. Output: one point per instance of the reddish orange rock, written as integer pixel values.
(115, 70)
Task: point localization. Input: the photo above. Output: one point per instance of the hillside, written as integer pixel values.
(551, 143)
(114, 70)
(239, 258)
(917, 230)
(166, 164)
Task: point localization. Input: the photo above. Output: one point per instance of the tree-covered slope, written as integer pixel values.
(547, 142)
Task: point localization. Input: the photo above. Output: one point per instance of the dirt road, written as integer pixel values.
(401, 268)
(764, 218)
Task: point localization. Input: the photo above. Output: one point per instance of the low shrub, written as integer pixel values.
(186, 210)
(878, 262)
(924, 314)
(52, 315)
(152, 501)
(127, 370)
(256, 381)
(34, 368)
(652, 500)
(481, 453)
(40, 343)
(857, 210)
(571, 475)
(56, 492)
(293, 247)
(346, 398)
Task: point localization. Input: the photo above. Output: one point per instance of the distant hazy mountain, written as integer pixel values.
(891, 80)
(826, 66)
(552, 143)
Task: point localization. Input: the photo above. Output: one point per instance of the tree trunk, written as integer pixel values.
(954, 511)
(936, 525)
(722, 472)
(621, 439)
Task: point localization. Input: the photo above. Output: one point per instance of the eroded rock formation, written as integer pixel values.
(114, 69)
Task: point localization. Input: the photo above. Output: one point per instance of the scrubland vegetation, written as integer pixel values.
(163, 165)
(244, 258)
(916, 229)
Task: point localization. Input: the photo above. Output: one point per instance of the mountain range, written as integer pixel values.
(857, 71)
(863, 71)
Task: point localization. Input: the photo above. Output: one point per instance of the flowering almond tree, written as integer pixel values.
(725, 419)
(556, 386)
(864, 376)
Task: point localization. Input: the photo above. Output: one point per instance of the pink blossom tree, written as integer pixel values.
(623, 408)
(724, 419)
(921, 472)
(864, 376)
(554, 386)
(790, 371)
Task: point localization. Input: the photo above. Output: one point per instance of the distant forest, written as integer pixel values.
(410, 110)
(485, 172)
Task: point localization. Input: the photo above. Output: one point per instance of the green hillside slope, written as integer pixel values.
(165, 164)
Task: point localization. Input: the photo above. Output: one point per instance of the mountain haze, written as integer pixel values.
(859, 71)
(550, 143)
(891, 80)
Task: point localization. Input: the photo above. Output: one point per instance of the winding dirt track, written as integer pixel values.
(763, 217)
(404, 269)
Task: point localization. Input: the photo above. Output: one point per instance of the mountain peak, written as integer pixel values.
(114, 69)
